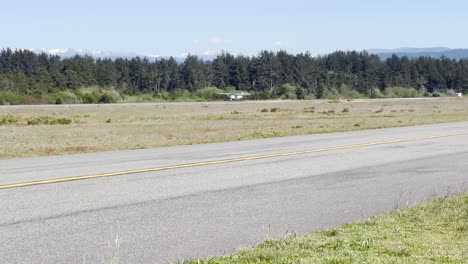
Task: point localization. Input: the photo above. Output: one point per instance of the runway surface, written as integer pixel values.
(176, 203)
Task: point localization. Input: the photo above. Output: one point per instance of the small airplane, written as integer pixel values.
(235, 96)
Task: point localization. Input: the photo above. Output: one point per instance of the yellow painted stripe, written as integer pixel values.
(205, 163)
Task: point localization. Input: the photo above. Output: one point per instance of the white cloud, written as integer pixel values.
(280, 43)
(210, 53)
(196, 41)
(218, 40)
(57, 51)
(183, 55)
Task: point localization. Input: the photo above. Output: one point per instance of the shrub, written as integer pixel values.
(8, 120)
(89, 99)
(274, 109)
(329, 93)
(347, 92)
(68, 97)
(10, 98)
(286, 91)
(264, 95)
(375, 93)
(46, 120)
(264, 110)
(106, 99)
(61, 121)
(309, 110)
(210, 93)
(402, 92)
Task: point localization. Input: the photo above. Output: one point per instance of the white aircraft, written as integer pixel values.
(235, 96)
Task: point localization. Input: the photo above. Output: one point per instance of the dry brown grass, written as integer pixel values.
(136, 126)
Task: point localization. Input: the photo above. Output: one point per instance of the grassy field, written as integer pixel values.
(435, 232)
(60, 129)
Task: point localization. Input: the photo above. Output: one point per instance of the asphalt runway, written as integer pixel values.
(168, 204)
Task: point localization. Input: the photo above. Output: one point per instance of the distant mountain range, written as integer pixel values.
(69, 52)
(435, 52)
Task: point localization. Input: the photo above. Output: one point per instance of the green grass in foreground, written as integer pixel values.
(435, 232)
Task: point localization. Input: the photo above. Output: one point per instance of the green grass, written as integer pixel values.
(434, 232)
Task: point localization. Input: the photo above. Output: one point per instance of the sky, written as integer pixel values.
(171, 28)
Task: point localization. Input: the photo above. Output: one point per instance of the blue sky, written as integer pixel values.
(245, 27)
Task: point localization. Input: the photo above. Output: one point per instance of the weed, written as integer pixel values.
(264, 110)
(379, 111)
(108, 121)
(345, 110)
(331, 232)
(309, 110)
(76, 149)
(47, 120)
(275, 109)
(61, 121)
(50, 150)
(8, 120)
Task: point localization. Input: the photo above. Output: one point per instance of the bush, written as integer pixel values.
(375, 93)
(61, 121)
(89, 99)
(47, 120)
(309, 109)
(263, 95)
(11, 98)
(89, 95)
(209, 93)
(8, 120)
(347, 92)
(330, 94)
(163, 96)
(300, 93)
(285, 91)
(402, 92)
(275, 109)
(67, 97)
(106, 99)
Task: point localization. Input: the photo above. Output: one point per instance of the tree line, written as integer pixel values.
(266, 75)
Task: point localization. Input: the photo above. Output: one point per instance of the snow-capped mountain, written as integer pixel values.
(436, 52)
(68, 52)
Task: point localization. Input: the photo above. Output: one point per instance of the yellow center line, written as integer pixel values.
(205, 163)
